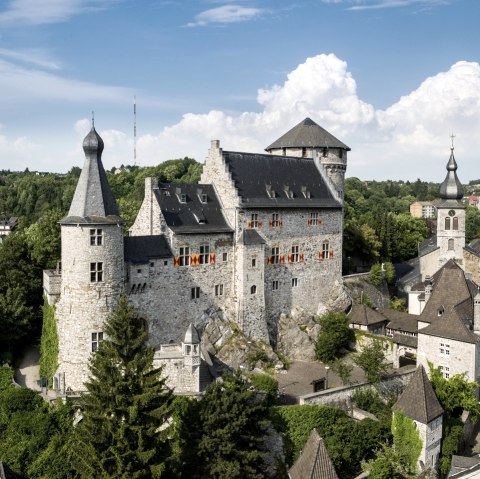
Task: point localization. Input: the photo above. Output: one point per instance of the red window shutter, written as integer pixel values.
(249, 224)
(270, 223)
(331, 254)
(269, 260)
(212, 258)
(319, 221)
(301, 257)
(260, 224)
(176, 261)
(289, 258)
(282, 259)
(280, 223)
(309, 222)
(320, 255)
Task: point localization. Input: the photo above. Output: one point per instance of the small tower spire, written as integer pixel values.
(93, 119)
(451, 188)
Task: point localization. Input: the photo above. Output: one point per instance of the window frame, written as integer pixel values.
(96, 272)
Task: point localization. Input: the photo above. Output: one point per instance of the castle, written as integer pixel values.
(260, 234)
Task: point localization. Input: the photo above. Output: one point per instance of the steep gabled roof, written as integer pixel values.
(251, 237)
(314, 461)
(401, 321)
(450, 288)
(199, 213)
(269, 181)
(362, 314)
(450, 326)
(93, 198)
(307, 134)
(418, 401)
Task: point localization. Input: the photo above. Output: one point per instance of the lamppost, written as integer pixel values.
(326, 376)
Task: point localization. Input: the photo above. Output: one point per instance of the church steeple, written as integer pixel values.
(451, 188)
(93, 196)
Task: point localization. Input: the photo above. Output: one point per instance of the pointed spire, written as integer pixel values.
(451, 188)
(93, 196)
(419, 401)
(191, 336)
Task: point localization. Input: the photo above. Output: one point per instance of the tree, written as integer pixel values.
(233, 420)
(472, 223)
(264, 383)
(387, 465)
(372, 361)
(123, 433)
(334, 335)
(343, 370)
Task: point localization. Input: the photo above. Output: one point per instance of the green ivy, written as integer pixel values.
(49, 343)
(406, 439)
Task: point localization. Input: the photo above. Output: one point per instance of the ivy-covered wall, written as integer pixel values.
(406, 440)
(49, 343)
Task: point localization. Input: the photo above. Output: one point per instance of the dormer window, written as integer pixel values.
(324, 152)
(200, 217)
(288, 191)
(305, 192)
(270, 192)
(182, 198)
(304, 152)
(202, 196)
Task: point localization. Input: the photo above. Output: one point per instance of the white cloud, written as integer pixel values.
(409, 139)
(82, 126)
(380, 4)
(33, 57)
(38, 12)
(225, 14)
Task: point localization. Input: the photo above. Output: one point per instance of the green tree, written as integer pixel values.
(472, 223)
(233, 421)
(334, 335)
(387, 465)
(264, 383)
(372, 361)
(123, 433)
(376, 274)
(343, 370)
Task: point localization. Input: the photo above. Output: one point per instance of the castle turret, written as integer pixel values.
(92, 268)
(451, 216)
(191, 347)
(309, 140)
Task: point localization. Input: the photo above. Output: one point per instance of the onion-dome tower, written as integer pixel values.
(451, 216)
(92, 268)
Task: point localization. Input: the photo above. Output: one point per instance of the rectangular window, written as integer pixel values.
(195, 292)
(96, 237)
(254, 220)
(274, 221)
(204, 254)
(225, 257)
(219, 290)
(314, 219)
(203, 198)
(96, 272)
(184, 256)
(275, 255)
(275, 285)
(325, 249)
(254, 262)
(295, 254)
(294, 282)
(97, 338)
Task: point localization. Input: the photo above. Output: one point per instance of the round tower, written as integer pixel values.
(309, 140)
(92, 268)
(451, 216)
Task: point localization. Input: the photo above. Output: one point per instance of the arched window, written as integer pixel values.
(447, 223)
(450, 244)
(253, 290)
(455, 223)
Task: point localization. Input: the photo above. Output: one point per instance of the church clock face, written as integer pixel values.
(451, 213)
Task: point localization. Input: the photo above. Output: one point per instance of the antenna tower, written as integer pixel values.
(135, 130)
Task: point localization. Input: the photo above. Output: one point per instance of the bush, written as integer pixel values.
(265, 383)
(6, 377)
(376, 274)
(334, 335)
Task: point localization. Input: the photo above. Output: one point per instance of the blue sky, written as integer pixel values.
(390, 78)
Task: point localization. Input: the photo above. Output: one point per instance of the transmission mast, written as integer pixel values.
(135, 130)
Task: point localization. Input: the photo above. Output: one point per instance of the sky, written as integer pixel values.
(392, 79)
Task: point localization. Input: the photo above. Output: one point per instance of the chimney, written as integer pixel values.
(476, 313)
(428, 292)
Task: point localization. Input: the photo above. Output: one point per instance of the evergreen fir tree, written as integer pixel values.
(127, 407)
(233, 421)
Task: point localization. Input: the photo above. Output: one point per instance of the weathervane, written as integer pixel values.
(93, 119)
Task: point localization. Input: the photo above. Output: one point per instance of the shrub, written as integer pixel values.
(265, 383)
(334, 335)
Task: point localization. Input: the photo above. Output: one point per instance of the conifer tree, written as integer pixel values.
(233, 422)
(127, 407)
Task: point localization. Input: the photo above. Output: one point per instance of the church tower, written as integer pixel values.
(92, 277)
(451, 217)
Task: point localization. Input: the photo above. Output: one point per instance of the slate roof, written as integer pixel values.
(251, 237)
(418, 400)
(141, 249)
(474, 246)
(450, 289)
(427, 246)
(450, 326)
(401, 321)
(93, 201)
(464, 466)
(256, 174)
(362, 314)
(191, 336)
(405, 340)
(314, 461)
(193, 216)
(307, 134)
